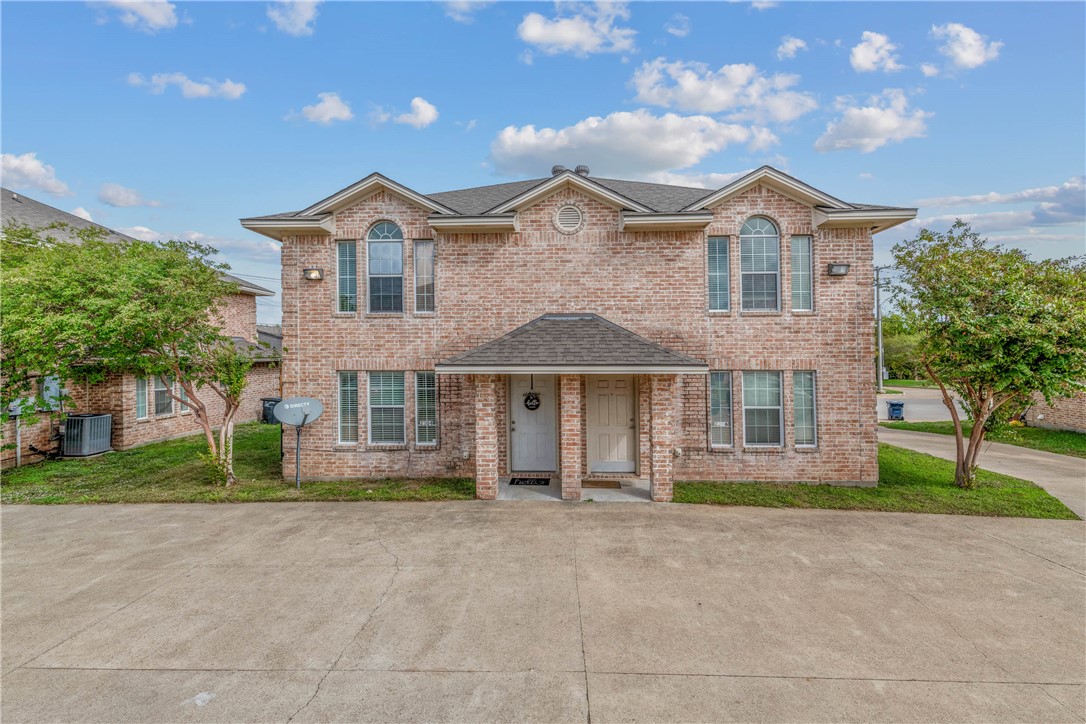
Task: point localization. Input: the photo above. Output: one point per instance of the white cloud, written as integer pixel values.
(149, 16)
(463, 11)
(330, 108)
(143, 233)
(679, 25)
(764, 4)
(887, 119)
(471, 125)
(1065, 203)
(82, 213)
(627, 144)
(740, 88)
(580, 29)
(789, 47)
(120, 196)
(697, 180)
(965, 47)
(209, 88)
(294, 17)
(875, 52)
(929, 70)
(422, 114)
(27, 171)
(866, 176)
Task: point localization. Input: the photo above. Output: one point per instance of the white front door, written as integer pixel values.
(532, 432)
(612, 424)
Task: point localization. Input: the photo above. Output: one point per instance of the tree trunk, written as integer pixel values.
(226, 443)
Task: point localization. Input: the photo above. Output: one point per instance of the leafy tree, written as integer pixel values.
(83, 309)
(899, 343)
(994, 326)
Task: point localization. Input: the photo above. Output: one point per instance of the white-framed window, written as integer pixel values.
(720, 409)
(141, 398)
(386, 418)
(347, 276)
(425, 408)
(49, 393)
(348, 407)
(803, 400)
(163, 401)
(384, 257)
(719, 275)
(759, 261)
(763, 411)
(184, 398)
(802, 278)
(424, 275)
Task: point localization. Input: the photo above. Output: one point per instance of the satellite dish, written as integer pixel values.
(298, 411)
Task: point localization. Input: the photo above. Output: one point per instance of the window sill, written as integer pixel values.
(384, 315)
(803, 313)
(426, 447)
(385, 447)
(807, 449)
(760, 313)
(344, 446)
(719, 312)
(726, 449)
(144, 419)
(424, 314)
(344, 315)
(766, 450)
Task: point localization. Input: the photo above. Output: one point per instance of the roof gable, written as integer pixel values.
(367, 187)
(563, 180)
(771, 178)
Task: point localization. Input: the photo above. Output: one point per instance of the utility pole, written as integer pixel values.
(878, 318)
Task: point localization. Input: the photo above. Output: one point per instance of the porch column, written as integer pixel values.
(486, 437)
(663, 400)
(571, 435)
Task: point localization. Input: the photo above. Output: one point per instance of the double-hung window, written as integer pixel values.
(386, 408)
(385, 259)
(424, 275)
(141, 398)
(163, 401)
(425, 408)
(347, 276)
(184, 398)
(763, 418)
(348, 407)
(802, 282)
(719, 280)
(803, 398)
(759, 261)
(720, 409)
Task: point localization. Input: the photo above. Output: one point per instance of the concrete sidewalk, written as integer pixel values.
(550, 612)
(1061, 475)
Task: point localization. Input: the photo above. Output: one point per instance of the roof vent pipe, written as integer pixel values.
(555, 170)
(581, 170)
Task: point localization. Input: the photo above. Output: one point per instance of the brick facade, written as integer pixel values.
(1065, 413)
(652, 283)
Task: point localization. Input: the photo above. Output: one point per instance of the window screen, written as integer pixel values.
(720, 409)
(386, 407)
(762, 408)
(803, 397)
(347, 266)
(802, 288)
(348, 407)
(424, 276)
(719, 286)
(425, 408)
(759, 260)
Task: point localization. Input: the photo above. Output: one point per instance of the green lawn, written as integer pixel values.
(908, 482)
(172, 472)
(910, 383)
(1056, 441)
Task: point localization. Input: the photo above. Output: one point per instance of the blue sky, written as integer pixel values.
(175, 119)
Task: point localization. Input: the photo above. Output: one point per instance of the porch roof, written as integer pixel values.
(579, 343)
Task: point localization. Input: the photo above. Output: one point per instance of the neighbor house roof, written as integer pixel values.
(571, 343)
(20, 209)
(271, 335)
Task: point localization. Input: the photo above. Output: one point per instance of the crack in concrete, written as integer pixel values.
(1081, 574)
(580, 617)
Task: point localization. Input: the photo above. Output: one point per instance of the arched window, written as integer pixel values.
(759, 259)
(385, 264)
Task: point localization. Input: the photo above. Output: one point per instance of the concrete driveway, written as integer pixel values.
(921, 405)
(537, 611)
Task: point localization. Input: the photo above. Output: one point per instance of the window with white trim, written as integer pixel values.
(424, 275)
(141, 398)
(720, 409)
(719, 277)
(763, 412)
(759, 261)
(803, 400)
(347, 276)
(384, 258)
(348, 407)
(386, 418)
(425, 408)
(802, 281)
(163, 401)
(184, 397)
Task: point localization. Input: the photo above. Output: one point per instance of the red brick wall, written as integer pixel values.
(239, 316)
(650, 282)
(1065, 413)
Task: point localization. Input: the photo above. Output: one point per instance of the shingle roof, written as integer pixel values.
(659, 197)
(473, 201)
(581, 340)
(19, 209)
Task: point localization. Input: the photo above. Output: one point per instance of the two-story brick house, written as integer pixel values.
(582, 327)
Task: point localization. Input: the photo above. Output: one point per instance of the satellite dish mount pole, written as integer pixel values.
(298, 452)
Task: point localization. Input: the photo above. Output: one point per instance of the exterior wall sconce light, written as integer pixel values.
(837, 270)
(313, 275)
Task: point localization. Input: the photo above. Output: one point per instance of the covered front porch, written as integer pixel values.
(579, 401)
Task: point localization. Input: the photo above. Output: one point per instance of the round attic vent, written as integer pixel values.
(568, 219)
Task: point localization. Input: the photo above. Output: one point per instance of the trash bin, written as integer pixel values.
(895, 410)
(269, 404)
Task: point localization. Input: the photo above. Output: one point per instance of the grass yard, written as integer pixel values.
(910, 383)
(909, 482)
(172, 472)
(1055, 441)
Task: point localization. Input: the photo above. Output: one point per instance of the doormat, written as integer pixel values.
(609, 484)
(530, 481)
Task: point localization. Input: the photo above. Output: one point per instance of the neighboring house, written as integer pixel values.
(141, 408)
(583, 327)
(1065, 413)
